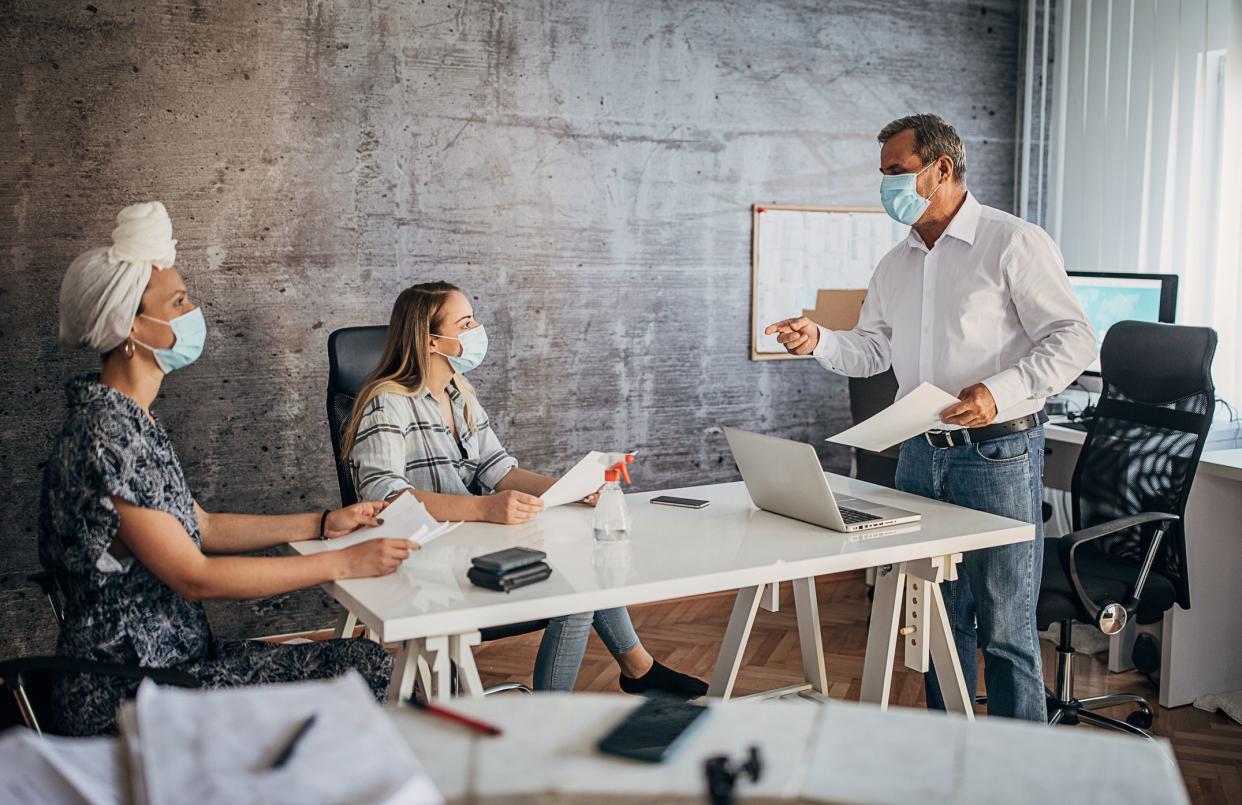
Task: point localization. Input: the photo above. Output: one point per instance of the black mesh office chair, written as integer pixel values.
(353, 353)
(30, 681)
(1126, 557)
(868, 397)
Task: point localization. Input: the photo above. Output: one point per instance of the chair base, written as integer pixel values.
(1074, 711)
(1064, 708)
(506, 687)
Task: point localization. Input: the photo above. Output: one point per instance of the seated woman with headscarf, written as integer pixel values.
(131, 550)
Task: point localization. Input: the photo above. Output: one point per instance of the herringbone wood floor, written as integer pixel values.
(686, 634)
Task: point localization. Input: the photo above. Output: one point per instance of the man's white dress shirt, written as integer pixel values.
(989, 303)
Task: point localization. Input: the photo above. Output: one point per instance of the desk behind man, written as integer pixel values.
(977, 300)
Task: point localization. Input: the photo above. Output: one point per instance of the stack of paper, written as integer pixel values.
(405, 518)
(219, 746)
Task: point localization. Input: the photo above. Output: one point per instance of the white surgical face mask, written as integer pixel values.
(901, 199)
(473, 349)
(190, 331)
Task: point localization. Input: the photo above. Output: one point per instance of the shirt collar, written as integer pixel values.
(85, 389)
(454, 395)
(963, 226)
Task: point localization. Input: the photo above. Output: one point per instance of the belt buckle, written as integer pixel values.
(949, 436)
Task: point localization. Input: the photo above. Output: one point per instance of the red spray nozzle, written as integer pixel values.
(622, 468)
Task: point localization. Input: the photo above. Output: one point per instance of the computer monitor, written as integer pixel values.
(1108, 298)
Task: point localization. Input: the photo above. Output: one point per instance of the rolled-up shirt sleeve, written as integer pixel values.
(1053, 319)
(494, 461)
(378, 457)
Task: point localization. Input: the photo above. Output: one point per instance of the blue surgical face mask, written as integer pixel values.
(190, 330)
(901, 199)
(473, 349)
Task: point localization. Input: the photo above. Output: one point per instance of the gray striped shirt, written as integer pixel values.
(403, 443)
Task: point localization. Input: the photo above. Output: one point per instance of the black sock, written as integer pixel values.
(665, 680)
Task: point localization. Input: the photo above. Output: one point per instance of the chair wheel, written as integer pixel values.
(1140, 719)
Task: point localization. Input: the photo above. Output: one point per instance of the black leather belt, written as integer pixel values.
(964, 436)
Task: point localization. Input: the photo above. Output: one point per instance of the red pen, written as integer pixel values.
(473, 723)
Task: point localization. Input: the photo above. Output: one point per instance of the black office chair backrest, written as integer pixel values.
(353, 353)
(868, 397)
(1143, 444)
(871, 395)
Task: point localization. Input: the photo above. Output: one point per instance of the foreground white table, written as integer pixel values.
(846, 754)
(433, 611)
(1200, 646)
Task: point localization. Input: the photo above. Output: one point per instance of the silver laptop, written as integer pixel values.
(786, 478)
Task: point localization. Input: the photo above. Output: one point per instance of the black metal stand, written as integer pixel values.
(723, 774)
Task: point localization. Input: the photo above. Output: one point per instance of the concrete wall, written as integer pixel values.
(584, 169)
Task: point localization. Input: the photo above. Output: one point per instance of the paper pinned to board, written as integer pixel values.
(582, 481)
(915, 413)
(405, 518)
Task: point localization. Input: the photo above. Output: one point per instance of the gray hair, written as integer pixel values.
(933, 138)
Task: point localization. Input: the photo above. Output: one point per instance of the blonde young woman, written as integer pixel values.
(130, 548)
(418, 428)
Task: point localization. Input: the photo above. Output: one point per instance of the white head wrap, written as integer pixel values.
(103, 287)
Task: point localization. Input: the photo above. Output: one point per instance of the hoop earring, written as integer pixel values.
(129, 349)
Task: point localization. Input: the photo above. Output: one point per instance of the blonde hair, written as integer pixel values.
(407, 354)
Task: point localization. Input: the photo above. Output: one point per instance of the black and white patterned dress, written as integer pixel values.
(116, 610)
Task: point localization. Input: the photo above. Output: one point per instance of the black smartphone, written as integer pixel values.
(685, 503)
(508, 559)
(653, 731)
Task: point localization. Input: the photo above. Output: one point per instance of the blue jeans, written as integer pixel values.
(564, 642)
(992, 604)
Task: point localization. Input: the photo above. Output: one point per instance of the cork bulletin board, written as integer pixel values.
(814, 262)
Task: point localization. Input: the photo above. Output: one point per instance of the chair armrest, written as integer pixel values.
(13, 669)
(1070, 543)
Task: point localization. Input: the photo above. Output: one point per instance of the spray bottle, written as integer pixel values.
(612, 515)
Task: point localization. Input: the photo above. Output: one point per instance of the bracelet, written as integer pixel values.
(323, 521)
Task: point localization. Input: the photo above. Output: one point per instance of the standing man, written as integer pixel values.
(974, 301)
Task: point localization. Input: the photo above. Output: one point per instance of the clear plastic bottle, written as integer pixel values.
(612, 515)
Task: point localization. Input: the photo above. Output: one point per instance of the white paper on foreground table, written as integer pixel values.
(913, 414)
(582, 481)
(66, 771)
(217, 746)
(405, 518)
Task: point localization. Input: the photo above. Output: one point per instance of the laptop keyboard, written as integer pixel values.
(851, 516)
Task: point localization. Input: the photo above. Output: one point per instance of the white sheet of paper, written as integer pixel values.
(49, 768)
(913, 414)
(405, 518)
(583, 480)
(217, 746)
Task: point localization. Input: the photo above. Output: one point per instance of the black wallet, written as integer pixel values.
(504, 582)
(509, 559)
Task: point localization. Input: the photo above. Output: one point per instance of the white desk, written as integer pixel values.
(433, 611)
(846, 754)
(1201, 646)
